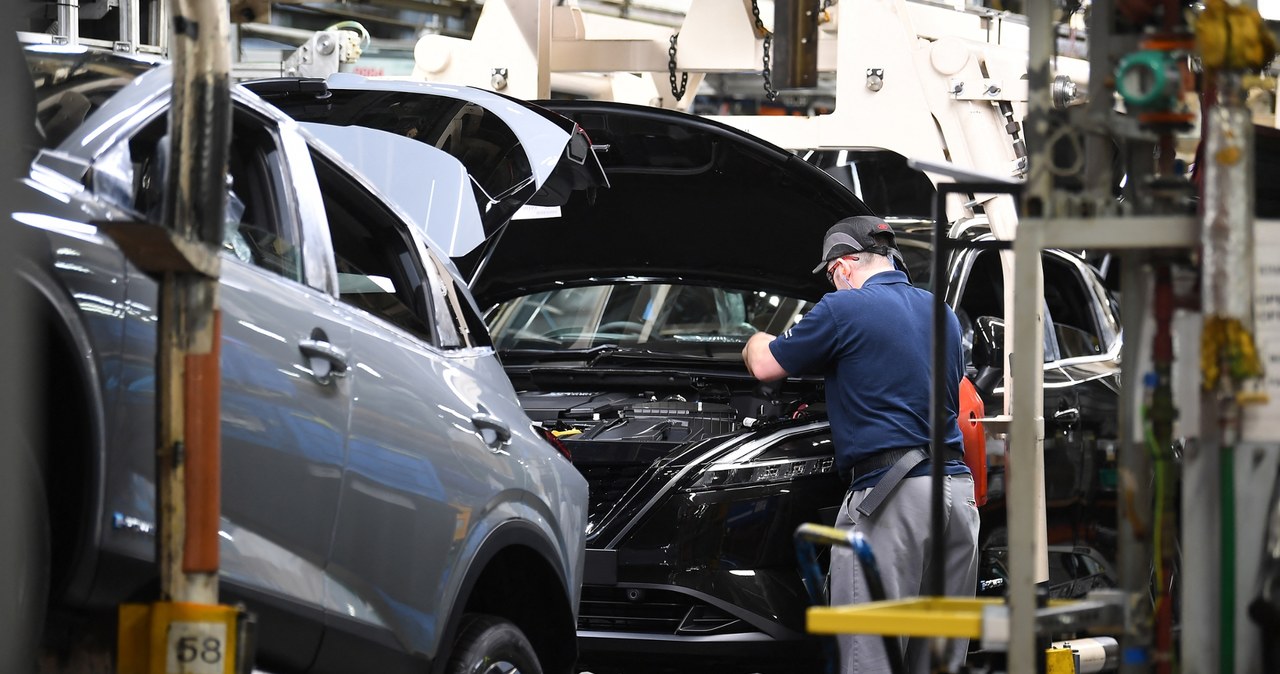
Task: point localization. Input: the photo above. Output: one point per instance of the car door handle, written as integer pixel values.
(493, 430)
(326, 360)
(1067, 415)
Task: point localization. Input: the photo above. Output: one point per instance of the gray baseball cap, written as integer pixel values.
(854, 235)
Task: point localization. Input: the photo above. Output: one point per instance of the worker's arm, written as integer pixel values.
(759, 359)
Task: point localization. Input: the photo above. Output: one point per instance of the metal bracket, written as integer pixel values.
(997, 424)
(157, 250)
(323, 54)
(1100, 610)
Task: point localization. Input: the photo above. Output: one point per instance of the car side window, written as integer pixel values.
(1065, 295)
(983, 296)
(257, 229)
(377, 269)
(458, 325)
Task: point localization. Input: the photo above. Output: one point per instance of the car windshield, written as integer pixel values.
(645, 314)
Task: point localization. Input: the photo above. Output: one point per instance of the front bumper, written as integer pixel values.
(654, 627)
(743, 653)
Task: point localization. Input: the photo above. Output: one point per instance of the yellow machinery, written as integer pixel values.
(983, 619)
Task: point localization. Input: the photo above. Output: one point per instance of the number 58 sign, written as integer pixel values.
(196, 648)
(177, 638)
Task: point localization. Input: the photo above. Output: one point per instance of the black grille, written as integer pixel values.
(614, 609)
(607, 483)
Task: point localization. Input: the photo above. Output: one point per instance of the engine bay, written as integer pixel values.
(661, 419)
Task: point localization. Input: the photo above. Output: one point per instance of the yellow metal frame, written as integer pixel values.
(916, 617)
(948, 617)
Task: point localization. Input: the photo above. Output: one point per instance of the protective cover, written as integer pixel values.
(975, 438)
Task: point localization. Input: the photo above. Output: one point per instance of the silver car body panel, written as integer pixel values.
(428, 184)
(557, 155)
(542, 141)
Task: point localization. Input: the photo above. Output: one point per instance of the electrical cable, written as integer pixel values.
(1157, 521)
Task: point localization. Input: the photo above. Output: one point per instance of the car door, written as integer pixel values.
(285, 404)
(1080, 366)
(287, 399)
(426, 459)
(1085, 370)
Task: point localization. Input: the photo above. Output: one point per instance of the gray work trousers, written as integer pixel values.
(899, 535)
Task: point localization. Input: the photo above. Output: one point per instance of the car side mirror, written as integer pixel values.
(988, 353)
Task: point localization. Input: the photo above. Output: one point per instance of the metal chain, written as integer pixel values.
(671, 70)
(769, 91)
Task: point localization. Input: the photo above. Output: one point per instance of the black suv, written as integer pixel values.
(620, 317)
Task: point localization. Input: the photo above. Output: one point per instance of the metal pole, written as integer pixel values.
(1227, 206)
(188, 463)
(1160, 414)
(130, 25)
(159, 20)
(543, 54)
(1133, 505)
(69, 20)
(942, 247)
(935, 584)
(1098, 179)
(186, 628)
(1026, 433)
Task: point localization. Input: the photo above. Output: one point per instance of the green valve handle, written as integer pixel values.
(1145, 80)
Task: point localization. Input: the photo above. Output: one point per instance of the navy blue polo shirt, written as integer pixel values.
(874, 345)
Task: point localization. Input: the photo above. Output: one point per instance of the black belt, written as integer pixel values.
(888, 457)
(900, 462)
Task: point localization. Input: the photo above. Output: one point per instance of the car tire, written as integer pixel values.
(487, 644)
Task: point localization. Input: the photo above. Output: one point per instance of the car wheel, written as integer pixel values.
(488, 644)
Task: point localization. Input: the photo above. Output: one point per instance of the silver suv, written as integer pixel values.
(387, 504)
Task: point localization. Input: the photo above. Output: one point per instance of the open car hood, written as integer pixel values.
(515, 153)
(689, 198)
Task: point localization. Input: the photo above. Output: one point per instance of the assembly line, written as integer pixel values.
(486, 337)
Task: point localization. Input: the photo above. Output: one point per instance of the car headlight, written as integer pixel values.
(759, 470)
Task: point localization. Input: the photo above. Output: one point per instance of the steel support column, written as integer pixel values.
(1026, 360)
(188, 461)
